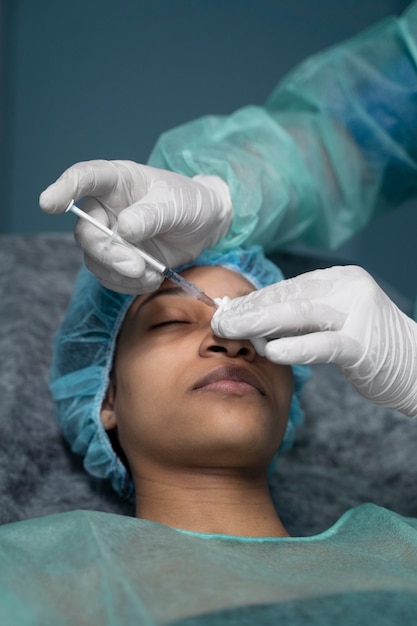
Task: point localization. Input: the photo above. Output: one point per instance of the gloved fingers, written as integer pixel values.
(86, 178)
(160, 211)
(145, 219)
(104, 250)
(295, 317)
(329, 284)
(315, 285)
(149, 281)
(322, 347)
(259, 343)
(173, 205)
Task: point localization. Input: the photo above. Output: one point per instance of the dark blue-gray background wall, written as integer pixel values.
(86, 79)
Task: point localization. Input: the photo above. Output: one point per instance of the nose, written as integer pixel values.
(233, 348)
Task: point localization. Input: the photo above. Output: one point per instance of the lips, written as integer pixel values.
(229, 379)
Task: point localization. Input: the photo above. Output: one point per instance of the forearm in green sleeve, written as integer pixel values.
(334, 145)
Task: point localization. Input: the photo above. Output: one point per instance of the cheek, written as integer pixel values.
(283, 382)
(137, 362)
(138, 403)
(144, 387)
(138, 385)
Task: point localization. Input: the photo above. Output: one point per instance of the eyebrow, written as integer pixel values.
(167, 291)
(178, 291)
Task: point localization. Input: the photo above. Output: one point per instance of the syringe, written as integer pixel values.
(150, 260)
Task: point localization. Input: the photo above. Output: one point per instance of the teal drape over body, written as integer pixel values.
(90, 568)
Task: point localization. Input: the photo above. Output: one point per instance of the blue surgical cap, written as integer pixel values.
(83, 355)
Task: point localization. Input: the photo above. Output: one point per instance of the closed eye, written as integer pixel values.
(169, 323)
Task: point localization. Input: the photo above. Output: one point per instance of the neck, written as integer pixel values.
(214, 502)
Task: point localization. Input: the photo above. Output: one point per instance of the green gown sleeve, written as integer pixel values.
(334, 145)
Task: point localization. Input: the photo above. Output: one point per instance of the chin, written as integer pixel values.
(245, 431)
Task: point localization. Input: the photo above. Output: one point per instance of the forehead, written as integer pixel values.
(215, 281)
(219, 281)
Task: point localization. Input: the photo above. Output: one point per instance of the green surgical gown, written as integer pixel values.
(334, 145)
(88, 568)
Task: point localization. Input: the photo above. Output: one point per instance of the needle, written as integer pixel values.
(150, 260)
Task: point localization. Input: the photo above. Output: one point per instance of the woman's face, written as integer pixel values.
(181, 395)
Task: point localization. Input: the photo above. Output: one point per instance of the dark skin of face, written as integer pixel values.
(199, 417)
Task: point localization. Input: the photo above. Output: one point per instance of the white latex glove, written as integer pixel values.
(337, 315)
(171, 216)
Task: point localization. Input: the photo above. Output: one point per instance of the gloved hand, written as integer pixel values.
(169, 215)
(337, 315)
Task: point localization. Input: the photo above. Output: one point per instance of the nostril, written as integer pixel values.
(216, 348)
